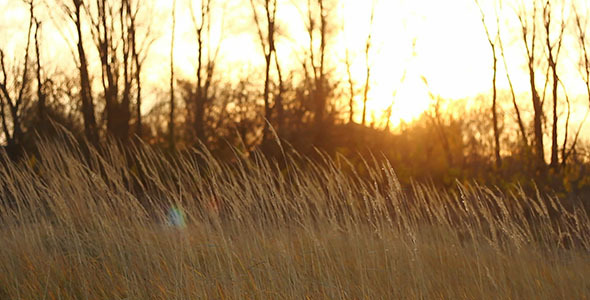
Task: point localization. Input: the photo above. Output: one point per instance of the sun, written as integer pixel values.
(410, 102)
(411, 41)
(407, 101)
(395, 87)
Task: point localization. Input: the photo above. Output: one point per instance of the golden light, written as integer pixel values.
(410, 40)
(442, 41)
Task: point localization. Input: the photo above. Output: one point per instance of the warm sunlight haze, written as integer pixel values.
(294, 149)
(441, 41)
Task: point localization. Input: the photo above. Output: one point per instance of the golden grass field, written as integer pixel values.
(79, 225)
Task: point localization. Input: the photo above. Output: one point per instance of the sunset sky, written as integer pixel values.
(442, 41)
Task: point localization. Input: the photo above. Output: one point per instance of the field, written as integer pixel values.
(76, 224)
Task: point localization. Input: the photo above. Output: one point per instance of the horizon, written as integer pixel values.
(424, 56)
(444, 43)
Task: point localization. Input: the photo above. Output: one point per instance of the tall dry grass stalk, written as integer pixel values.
(76, 224)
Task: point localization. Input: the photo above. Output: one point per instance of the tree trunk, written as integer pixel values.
(495, 113)
(537, 120)
(171, 137)
(350, 87)
(530, 31)
(90, 128)
(279, 98)
(40, 94)
(368, 65)
(267, 113)
(554, 144)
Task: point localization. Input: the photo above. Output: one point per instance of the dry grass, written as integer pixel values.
(89, 226)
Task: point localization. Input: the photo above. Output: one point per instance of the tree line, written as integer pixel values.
(307, 105)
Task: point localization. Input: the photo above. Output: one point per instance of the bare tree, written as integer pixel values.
(368, 44)
(389, 110)
(528, 26)
(351, 91)
(114, 29)
(171, 139)
(317, 26)
(15, 101)
(279, 96)
(205, 65)
(521, 126)
(581, 27)
(139, 52)
(492, 40)
(436, 119)
(267, 42)
(127, 64)
(73, 9)
(553, 51)
(104, 31)
(41, 103)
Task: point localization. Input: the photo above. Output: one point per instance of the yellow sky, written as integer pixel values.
(444, 45)
(442, 41)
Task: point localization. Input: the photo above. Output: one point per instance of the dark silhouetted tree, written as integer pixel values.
(492, 40)
(171, 137)
(73, 9)
(553, 51)
(267, 36)
(206, 63)
(13, 98)
(368, 44)
(523, 132)
(528, 23)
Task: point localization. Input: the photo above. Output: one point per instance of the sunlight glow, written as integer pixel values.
(440, 41)
(410, 40)
(416, 39)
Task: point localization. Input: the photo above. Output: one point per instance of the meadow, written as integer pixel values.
(79, 223)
